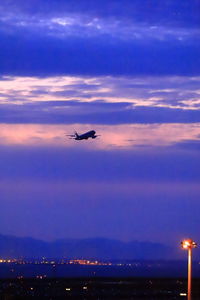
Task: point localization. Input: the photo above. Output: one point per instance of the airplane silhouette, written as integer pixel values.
(84, 136)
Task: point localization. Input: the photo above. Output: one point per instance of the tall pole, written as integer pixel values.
(189, 273)
(189, 244)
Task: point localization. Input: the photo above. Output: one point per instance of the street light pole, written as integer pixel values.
(189, 272)
(189, 245)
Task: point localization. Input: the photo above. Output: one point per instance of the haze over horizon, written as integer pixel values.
(129, 70)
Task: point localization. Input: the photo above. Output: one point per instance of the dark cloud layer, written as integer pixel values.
(50, 210)
(129, 38)
(44, 56)
(50, 163)
(97, 112)
(179, 12)
(150, 194)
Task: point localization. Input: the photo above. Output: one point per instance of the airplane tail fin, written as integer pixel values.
(76, 134)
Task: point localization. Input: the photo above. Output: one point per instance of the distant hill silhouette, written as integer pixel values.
(93, 248)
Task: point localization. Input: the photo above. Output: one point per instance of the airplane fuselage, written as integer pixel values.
(85, 136)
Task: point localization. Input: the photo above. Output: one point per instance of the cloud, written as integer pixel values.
(42, 56)
(171, 12)
(99, 100)
(190, 145)
(125, 137)
(129, 211)
(112, 164)
(93, 113)
(107, 39)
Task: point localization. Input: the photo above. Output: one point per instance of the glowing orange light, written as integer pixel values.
(188, 244)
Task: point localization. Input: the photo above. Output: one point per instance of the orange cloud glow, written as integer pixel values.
(111, 136)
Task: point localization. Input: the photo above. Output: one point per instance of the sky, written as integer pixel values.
(130, 70)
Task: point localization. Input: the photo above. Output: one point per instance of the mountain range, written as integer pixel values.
(92, 248)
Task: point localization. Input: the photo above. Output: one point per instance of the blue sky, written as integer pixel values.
(129, 70)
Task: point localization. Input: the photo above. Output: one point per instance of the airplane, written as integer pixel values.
(84, 136)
